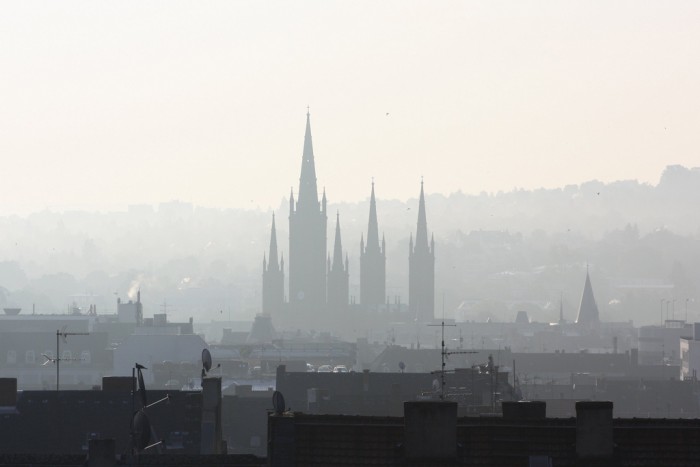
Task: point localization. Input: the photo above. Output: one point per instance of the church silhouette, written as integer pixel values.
(319, 282)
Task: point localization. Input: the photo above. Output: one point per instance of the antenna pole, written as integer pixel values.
(58, 359)
(442, 353)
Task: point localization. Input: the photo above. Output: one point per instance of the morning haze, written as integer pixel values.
(470, 226)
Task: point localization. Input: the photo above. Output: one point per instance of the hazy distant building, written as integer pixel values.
(421, 268)
(307, 237)
(338, 275)
(130, 312)
(372, 262)
(273, 277)
(588, 310)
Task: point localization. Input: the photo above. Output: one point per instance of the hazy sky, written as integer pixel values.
(106, 104)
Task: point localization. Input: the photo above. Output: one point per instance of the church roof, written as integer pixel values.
(588, 310)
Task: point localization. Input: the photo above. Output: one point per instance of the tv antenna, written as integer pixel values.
(278, 403)
(62, 334)
(207, 362)
(444, 353)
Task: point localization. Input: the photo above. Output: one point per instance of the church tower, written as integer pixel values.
(421, 269)
(338, 275)
(372, 262)
(307, 237)
(587, 310)
(273, 278)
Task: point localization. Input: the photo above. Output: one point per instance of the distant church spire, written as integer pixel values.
(308, 192)
(422, 231)
(421, 268)
(338, 247)
(307, 238)
(273, 277)
(373, 225)
(588, 310)
(372, 261)
(273, 245)
(338, 276)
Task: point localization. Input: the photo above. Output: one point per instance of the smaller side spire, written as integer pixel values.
(338, 247)
(273, 245)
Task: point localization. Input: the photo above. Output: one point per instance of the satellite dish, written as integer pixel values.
(142, 388)
(402, 366)
(278, 402)
(206, 360)
(141, 428)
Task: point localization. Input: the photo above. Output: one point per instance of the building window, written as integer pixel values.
(29, 357)
(11, 357)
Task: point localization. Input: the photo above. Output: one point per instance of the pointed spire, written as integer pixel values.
(422, 231)
(338, 247)
(273, 245)
(373, 227)
(308, 194)
(588, 310)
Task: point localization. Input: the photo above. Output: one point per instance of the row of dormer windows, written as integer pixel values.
(31, 358)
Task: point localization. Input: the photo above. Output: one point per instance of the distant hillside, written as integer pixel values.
(494, 251)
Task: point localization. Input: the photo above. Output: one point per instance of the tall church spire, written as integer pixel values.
(308, 194)
(422, 231)
(307, 238)
(372, 262)
(421, 268)
(373, 227)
